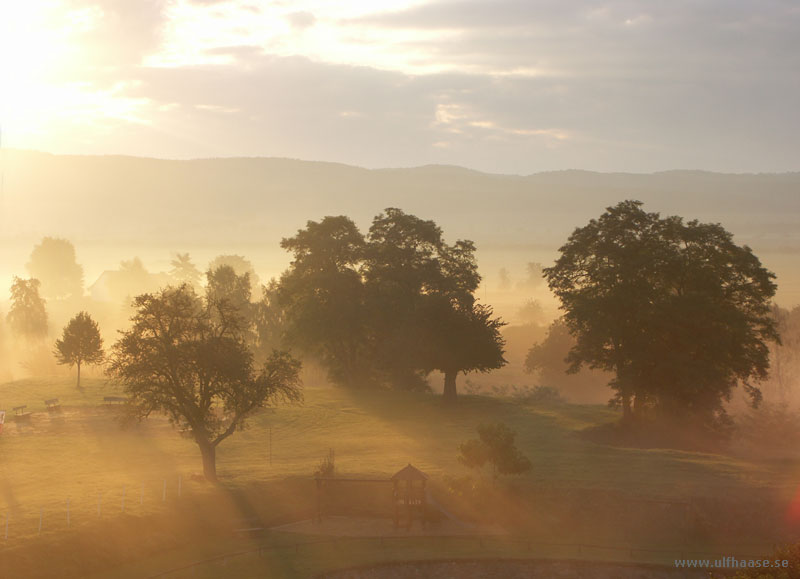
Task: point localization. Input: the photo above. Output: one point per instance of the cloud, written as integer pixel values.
(301, 20)
(519, 86)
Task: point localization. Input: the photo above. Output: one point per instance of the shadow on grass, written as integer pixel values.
(651, 434)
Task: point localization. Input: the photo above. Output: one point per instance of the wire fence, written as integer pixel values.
(21, 521)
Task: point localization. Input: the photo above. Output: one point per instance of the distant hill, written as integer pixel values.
(259, 200)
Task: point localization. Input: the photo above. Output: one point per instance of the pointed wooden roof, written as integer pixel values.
(409, 472)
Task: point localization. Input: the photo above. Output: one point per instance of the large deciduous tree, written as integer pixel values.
(676, 310)
(423, 312)
(388, 309)
(27, 316)
(322, 297)
(80, 343)
(185, 356)
(458, 338)
(53, 263)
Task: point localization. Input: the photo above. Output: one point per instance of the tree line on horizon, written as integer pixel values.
(674, 311)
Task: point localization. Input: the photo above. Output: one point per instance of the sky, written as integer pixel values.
(507, 86)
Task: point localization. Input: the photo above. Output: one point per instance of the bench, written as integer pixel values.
(114, 400)
(52, 404)
(19, 411)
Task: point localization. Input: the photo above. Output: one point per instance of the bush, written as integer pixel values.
(542, 395)
(495, 446)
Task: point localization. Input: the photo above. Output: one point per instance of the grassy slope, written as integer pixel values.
(82, 453)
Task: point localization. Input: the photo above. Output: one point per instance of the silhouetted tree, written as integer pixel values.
(240, 265)
(401, 264)
(534, 274)
(27, 316)
(322, 297)
(677, 311)
(458, 338)
(224, 286)
(531, 312)
(80, 343)
(269, 320)
(185, 356)
(184, 271)
(548, 359)
(422, 310)
(494, 445)
(53, 263)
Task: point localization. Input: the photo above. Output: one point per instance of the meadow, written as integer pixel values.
(577, 492)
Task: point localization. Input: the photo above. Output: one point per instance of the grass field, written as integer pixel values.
(577, 491)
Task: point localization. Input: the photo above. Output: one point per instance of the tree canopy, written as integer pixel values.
(27, 316)
(184, 271)
(323, 297)
(676, 310)
(53, 263)
(185, 356)
(80, 343)
(388, 308)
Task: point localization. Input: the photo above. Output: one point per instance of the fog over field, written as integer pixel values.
(114, 208)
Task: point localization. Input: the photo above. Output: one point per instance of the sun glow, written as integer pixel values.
(33, 46)
(41, 63)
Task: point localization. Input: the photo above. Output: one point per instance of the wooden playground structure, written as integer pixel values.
(408, 486)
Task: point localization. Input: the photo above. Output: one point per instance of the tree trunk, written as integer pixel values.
(79, 375)
(627, 412)
(449, 395)
(209, 454)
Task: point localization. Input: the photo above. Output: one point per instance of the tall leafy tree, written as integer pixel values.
(185, 271)
(225, 287)
(240, 265)
(269, 320)
(27, 316)
(184, 356)
(459, 338)
(80, 343)
(676, 310)
(422, 307)
(322, 296)
(53, 263)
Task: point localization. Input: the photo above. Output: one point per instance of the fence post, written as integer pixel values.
(67, 512)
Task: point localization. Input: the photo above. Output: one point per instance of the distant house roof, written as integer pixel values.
(100, 290)
(409, 472)
(115, 285)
